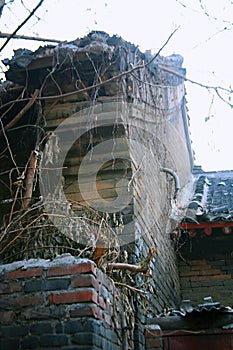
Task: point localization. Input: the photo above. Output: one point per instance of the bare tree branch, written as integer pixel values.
(20, 233)
(29, 181)
(143, 267)
(209, 87)
(193, 81)
(2, 3)
(27, 37)
(21, 25)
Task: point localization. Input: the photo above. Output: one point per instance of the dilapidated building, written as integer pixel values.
(96, 177)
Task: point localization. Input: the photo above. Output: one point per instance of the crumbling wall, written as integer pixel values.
(90, 91)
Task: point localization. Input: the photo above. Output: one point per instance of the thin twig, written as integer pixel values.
(18, 219)
(8, 147)
(193, 81)
(22, 112)
(20, 233)
(130, 287)
(13, 205)
(21, 25)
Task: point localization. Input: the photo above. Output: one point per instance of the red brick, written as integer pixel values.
(91, 310)
(189, 273)
(86, 267)
(10, 287)
(23, 273)
(80, 281)
(73, 297)
(198, 262)
(7, 316)
(210, 272)
(21, 301)
(102, 303)
(201, 273)
(154, 343)
(209, 278)
(108, 319)
(201, 267)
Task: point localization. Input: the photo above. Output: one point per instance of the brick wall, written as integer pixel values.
(65, 304)
(208, 277)
(154, 130)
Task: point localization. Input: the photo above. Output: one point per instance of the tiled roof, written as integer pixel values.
(186, 309)
(213, 198)
(210, 315)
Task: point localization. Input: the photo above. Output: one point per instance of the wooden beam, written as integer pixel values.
(205, 225)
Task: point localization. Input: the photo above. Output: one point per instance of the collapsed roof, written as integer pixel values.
(84, 56)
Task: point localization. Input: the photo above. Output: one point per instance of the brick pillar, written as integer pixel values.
(67, 303)
(153, 337)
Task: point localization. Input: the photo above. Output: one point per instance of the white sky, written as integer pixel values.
(201, 40)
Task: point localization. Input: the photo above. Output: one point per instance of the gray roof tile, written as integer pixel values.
(213, 197)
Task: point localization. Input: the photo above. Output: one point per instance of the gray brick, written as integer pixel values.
(73, 327)
(41, 328)
(206, 283)
(228, 268)
(111, 335)
(87, 339)
(54, 340)
(30, 342)
(34, 286)
(85, 347)
(44, 313)
(39, 285)
(184, 268)
(59, 328)
(9, 344)
(14, 331)
(228, 283)
(56, 284)
(82, 326)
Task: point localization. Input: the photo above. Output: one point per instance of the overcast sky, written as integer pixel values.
(204, 39)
